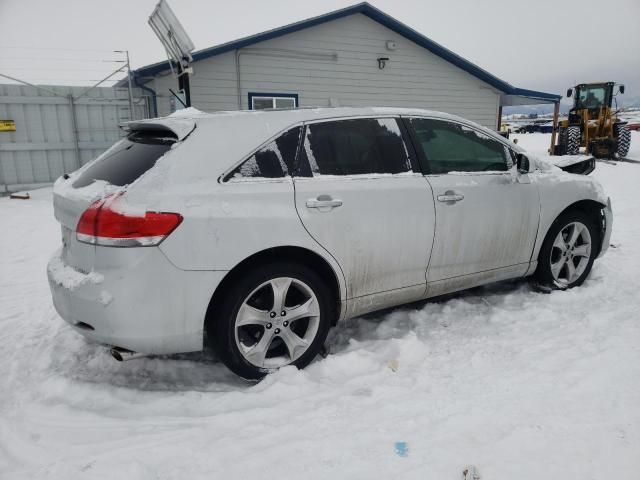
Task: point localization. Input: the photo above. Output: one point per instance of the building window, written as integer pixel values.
(262, 101)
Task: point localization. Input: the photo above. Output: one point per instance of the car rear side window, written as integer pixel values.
(356, 147)
(276, 160)
(452, 147)
(128, 159)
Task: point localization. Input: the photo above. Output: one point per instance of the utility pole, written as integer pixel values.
(183, 81)
(128, 65)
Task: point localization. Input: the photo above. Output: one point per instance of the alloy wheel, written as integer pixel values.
(570, 253)
(277, 322)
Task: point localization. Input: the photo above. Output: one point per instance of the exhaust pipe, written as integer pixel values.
(123, 355)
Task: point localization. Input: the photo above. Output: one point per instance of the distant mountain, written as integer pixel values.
(624, 102)
(632, 102)
(533, 109)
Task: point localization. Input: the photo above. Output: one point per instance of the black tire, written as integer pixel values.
(221, 324)
(573, 140)
(623, 135)
(562, 135)
(543, 274)
(561, 147)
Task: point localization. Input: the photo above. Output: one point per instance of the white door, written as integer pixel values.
(363, 203)
(486, 217)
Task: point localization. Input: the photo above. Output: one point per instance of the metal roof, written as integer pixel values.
(375, 14)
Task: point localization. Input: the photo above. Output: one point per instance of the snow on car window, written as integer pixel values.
(276, 160)
(356, 147)
(128, 159)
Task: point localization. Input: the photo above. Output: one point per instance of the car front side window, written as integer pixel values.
(355, 147)
(452, 147)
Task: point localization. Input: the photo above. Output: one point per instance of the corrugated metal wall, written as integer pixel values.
(46, 144)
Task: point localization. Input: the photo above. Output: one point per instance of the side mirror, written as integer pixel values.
(522, 163)
(569, 92)
(622, 89)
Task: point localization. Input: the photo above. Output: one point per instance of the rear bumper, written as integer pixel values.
(608, 223)
(141, 302)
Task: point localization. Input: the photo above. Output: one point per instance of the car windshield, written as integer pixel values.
(590, 97)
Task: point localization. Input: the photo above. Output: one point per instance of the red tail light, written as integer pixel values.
(106, 223)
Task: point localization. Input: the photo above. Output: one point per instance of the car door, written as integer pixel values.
(359, 197)
(486, 214)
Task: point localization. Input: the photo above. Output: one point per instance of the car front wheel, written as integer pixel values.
(568, 252)
(274, 316)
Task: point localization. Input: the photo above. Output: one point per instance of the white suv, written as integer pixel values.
(255, 232)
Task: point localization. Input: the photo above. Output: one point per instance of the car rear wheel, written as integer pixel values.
(568, 251)
(275, 316)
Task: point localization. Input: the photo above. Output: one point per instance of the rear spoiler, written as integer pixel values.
(181, 127)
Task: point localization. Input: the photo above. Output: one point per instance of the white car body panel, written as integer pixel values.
(494, 226)
(158, 309)
(555, 197)
(154, 299)
(382, 233)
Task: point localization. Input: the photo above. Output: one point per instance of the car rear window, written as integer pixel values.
(128, 159)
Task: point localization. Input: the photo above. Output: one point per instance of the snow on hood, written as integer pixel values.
(557, 163)
(543, 164)
(566, 160)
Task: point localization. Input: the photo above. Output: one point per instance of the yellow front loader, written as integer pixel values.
(592, 124)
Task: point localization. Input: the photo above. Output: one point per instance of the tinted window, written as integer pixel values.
(275, 160)
(590, 97)
(128, 159)
(453, 147)
(353, 147)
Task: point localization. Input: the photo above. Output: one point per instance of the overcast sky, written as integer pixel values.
(545, 45)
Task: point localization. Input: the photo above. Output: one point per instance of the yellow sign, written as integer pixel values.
(7, 126)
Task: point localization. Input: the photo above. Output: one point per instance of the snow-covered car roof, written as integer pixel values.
(219, 140)
(182, 121)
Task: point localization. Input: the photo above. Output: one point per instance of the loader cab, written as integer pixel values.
(591, 97)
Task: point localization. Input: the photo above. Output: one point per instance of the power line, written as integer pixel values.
(59, 69)
(56, 48)
(52, 81)
(57, 59)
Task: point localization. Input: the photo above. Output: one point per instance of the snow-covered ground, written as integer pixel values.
(521, 384)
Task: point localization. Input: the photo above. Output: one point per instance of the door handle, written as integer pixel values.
(450, 197)
(324, 201)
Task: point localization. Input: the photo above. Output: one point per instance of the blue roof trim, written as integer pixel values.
(523, 92)
(376, 15)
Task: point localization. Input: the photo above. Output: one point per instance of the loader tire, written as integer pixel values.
(561, 147)
(623, 135)
(573, 140)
